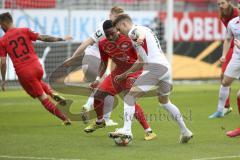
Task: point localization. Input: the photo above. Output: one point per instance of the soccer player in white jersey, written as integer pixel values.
(91, 50)
(233, 69)
(158, 74)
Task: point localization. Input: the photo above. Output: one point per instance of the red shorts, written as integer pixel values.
(31, 80)
(228, 58)
(110, 86)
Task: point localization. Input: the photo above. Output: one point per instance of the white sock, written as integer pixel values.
(148, 130)
(223, 94)
(128, 116)
(99, 120)
(174, 111)
(108, 107)
(89, 104)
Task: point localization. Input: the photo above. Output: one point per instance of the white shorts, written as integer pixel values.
(91, 62)
(233, 68)
(155, 76)
(93, 50)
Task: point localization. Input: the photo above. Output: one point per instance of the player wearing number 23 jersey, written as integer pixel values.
(17, 43)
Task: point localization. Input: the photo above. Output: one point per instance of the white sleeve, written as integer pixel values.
(98, 34)
(135, 32)
(141, 52)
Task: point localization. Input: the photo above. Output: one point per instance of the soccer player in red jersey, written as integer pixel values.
(119, 48)
(236, 132)
(227, 13)
(17, 43)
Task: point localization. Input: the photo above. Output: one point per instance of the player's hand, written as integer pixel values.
(140, 41)
(94, 84)
(237, 43)
(222, 59)
(120, 77)
(3, 85)
(68, 38)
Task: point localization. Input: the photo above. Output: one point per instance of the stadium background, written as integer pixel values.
(197, 32)
(27, 131)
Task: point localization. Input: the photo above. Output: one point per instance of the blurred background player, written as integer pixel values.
(233, 68)
(17, 43)
(227, 12)
(158, 75)
(90, 47)
(124, 56)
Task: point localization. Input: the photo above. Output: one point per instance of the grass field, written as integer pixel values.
(27, 131)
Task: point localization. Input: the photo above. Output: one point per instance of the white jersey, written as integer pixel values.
(151, 45)
(233, 31)
(99, 34)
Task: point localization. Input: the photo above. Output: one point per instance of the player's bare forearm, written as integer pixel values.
(48, 38)
(3, 71)
(80, 50)
(102, 69)
(3, 66)
(138, 65)
(226, 46)
(82, 47)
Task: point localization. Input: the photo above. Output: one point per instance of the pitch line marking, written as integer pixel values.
(35, 158)
(213, 158)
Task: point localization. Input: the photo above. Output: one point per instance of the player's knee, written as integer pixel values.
(163, 99)
(136, 92)
(130, 99)
(42, 97)
(226, 82)
(99, 95)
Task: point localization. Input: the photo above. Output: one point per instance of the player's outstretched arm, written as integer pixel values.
(3, 66)
(226, 46)
(79, 51)
(135, 67)
(102, 69)
(48, 38)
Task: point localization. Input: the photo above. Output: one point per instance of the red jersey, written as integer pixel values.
(225, 21)
(121, 52)
(17, 43)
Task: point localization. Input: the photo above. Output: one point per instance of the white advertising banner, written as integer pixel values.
(83, 23)
(56, 23)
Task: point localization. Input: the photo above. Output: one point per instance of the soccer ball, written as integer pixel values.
(122, 141)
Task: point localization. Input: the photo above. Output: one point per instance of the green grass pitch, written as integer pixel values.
(27, 130)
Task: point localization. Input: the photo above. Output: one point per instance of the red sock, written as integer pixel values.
(139, 115)
(227, 103)
(47, 89)
(238, 103)
(53, 109)
(98, 107)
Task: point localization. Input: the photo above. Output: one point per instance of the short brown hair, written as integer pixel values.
(117, 10)
(6, 17)
(122, 17)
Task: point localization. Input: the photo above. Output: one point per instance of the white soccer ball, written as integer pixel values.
(122, 141)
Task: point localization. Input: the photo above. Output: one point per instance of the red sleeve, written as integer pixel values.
(32, 35)
(3, 52)
(104, 56)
